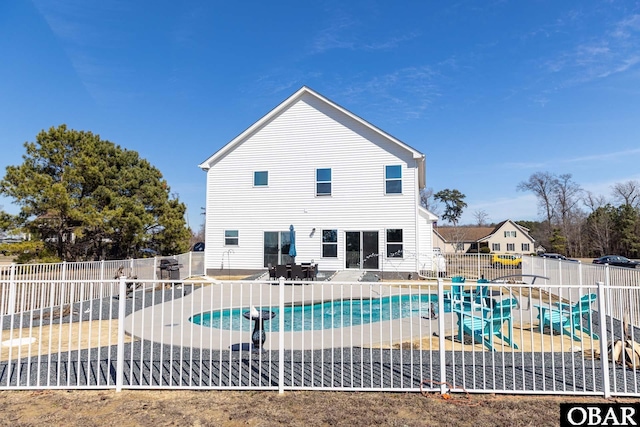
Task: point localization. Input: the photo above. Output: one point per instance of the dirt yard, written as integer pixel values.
(249, 408)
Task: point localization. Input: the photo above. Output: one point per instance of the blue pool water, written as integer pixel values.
(328, 315)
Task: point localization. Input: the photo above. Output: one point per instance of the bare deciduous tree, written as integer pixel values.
(542, 185)
(627, 193)
(428, 202)
(481, 217)
(593, 202)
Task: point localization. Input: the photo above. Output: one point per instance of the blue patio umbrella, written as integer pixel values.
(292, 247)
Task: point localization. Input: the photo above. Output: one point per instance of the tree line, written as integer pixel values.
(575, 222)
(580, 223)
(85, 198)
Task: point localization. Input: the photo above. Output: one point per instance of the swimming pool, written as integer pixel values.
(327, 315)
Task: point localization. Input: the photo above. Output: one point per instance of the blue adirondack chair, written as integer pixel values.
(458, 297)
(567, 318)
(480, 295)
(483, 328)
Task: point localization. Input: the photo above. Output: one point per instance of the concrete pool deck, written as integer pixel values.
(169, 322)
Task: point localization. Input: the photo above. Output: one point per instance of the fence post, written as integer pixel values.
(604, 355)
(122, 296)
(281, 336)
(64, 285)
(190, 262)
(12, 291)
(580, 273)
(441, 340)
(560, 282)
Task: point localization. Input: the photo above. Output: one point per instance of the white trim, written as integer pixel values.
(207, 164)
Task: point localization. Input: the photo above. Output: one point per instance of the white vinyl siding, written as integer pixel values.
(307, 136)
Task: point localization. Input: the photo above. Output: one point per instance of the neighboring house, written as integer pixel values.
(506, 237)
(350, 190)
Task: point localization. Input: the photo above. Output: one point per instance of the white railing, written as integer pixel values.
(366, 336)
(571, 273)
(35, 279)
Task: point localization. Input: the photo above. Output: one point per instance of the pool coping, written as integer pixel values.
(168, 322)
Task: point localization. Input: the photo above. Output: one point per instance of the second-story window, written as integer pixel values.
(260, 178)
(323, 182)
(393, 179)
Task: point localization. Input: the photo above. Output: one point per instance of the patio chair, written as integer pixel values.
(483, 328)
(468, 300)
(456, 295)
(296, 272)
(272, 272)
(480, 295)
(567, 317)
(282, 271)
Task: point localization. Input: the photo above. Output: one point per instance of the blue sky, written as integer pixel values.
(490, 91)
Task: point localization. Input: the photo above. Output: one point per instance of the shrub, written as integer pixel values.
(28, 251)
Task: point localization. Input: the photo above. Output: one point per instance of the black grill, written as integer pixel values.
(169, 269)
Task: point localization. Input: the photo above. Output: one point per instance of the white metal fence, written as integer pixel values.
(382, 336)
(30, 286)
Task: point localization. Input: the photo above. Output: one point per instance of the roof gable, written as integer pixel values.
(476, 234)
(501, 225)
(463, 234)
(305, 91)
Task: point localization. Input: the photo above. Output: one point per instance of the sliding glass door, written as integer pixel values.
(361, 250)
(276, 247)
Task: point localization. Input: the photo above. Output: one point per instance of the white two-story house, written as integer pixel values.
(350, 191)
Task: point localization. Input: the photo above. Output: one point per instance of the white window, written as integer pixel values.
(525, 247)
(231, 237)
(329, 243)
(511, 247)
(495, 247)
(323, 182)
(393, 179)
(260, 178)
(394, 243)
(509, 234)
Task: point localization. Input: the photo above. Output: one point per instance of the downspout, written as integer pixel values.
(207, 242)
(416, 228)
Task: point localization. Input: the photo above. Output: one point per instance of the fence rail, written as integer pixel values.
(29, 285)
(366, 336)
